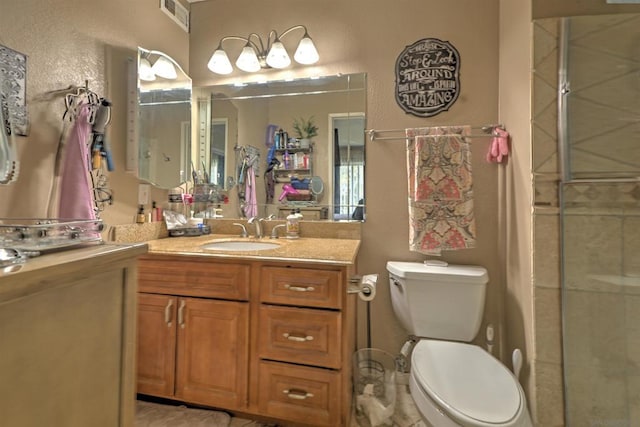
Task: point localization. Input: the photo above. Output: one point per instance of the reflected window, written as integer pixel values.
(217, 156)
(348, 134)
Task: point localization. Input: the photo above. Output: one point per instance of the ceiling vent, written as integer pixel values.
(177, 12)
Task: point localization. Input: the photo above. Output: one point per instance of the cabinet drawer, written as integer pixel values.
(300, 335)
(299, 394)
(301, 286)
(189, 277)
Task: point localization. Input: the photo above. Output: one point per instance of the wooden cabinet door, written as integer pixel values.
(212, 360)
(156, 344)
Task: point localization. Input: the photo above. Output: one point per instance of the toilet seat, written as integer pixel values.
(485, 393)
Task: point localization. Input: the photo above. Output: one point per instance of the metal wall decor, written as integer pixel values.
(427, 77)
(13, 90)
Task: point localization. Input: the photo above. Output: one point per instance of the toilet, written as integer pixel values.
(452, 382)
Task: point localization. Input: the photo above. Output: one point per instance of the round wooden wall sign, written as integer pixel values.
(427, 77)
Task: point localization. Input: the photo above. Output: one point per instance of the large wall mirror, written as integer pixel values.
(164, 120)
(250, 132)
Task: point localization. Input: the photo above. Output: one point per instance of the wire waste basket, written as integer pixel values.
(375, 387)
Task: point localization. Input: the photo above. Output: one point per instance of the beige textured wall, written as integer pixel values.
(67, 43)
(354, 36)
(68, 46)
(367, 36)
(515, 93)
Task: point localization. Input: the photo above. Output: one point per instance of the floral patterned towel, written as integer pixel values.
(440, 189)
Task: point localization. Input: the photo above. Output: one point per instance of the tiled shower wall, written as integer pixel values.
(601, 228)
(547, 363)
(599, 244)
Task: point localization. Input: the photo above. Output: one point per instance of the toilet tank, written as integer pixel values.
(438, 301)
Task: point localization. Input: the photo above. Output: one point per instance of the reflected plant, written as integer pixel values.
(305, 128)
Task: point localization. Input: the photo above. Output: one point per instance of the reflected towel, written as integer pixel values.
(440, 185)
(251, 206)
(76, 200)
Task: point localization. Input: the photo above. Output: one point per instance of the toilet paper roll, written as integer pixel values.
(368, 287)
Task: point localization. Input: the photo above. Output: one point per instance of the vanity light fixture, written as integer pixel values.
(255, 56)
(161, 68)
(144, 70)
(164, 68)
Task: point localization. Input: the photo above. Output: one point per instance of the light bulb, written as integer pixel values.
(278, 56)
(164, 68)
(306, 53)
(219, 62)
(248, 60)
(144, 70)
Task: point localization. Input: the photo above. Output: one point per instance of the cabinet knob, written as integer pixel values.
(297, 394)
(297, 338)
(298, 288)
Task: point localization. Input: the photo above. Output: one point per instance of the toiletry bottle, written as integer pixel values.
(286, 159)
(154, 211)
(292, 226)
(282, 143)
(140, 218)
(175, 202)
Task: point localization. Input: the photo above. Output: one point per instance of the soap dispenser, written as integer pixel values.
(292, 226)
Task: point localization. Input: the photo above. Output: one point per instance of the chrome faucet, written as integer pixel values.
(257, 221)
(243, 233)
(274, 230)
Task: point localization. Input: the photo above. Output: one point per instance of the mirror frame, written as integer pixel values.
(163, 114)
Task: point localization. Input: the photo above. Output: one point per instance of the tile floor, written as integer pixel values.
(405, 414)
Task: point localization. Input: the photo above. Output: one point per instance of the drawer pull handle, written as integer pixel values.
(297, 288)
(167, 313)
(297, 394)
(181, 313)
(297, 338)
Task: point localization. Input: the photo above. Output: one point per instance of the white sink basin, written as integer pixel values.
(239, 245)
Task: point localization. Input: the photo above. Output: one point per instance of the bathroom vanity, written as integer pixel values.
(67, 331)
(268, 333)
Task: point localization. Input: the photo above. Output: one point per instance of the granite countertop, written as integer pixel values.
(35, 274)
(307, 249)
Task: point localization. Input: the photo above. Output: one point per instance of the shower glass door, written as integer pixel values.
(599, 116)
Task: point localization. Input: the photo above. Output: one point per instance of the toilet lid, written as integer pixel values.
(485, 390)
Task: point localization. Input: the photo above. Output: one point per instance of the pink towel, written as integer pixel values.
(499, 148)
(76, 199)
(251, 206)
(441, 215)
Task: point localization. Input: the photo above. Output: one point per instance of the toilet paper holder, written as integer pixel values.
(364, 286)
